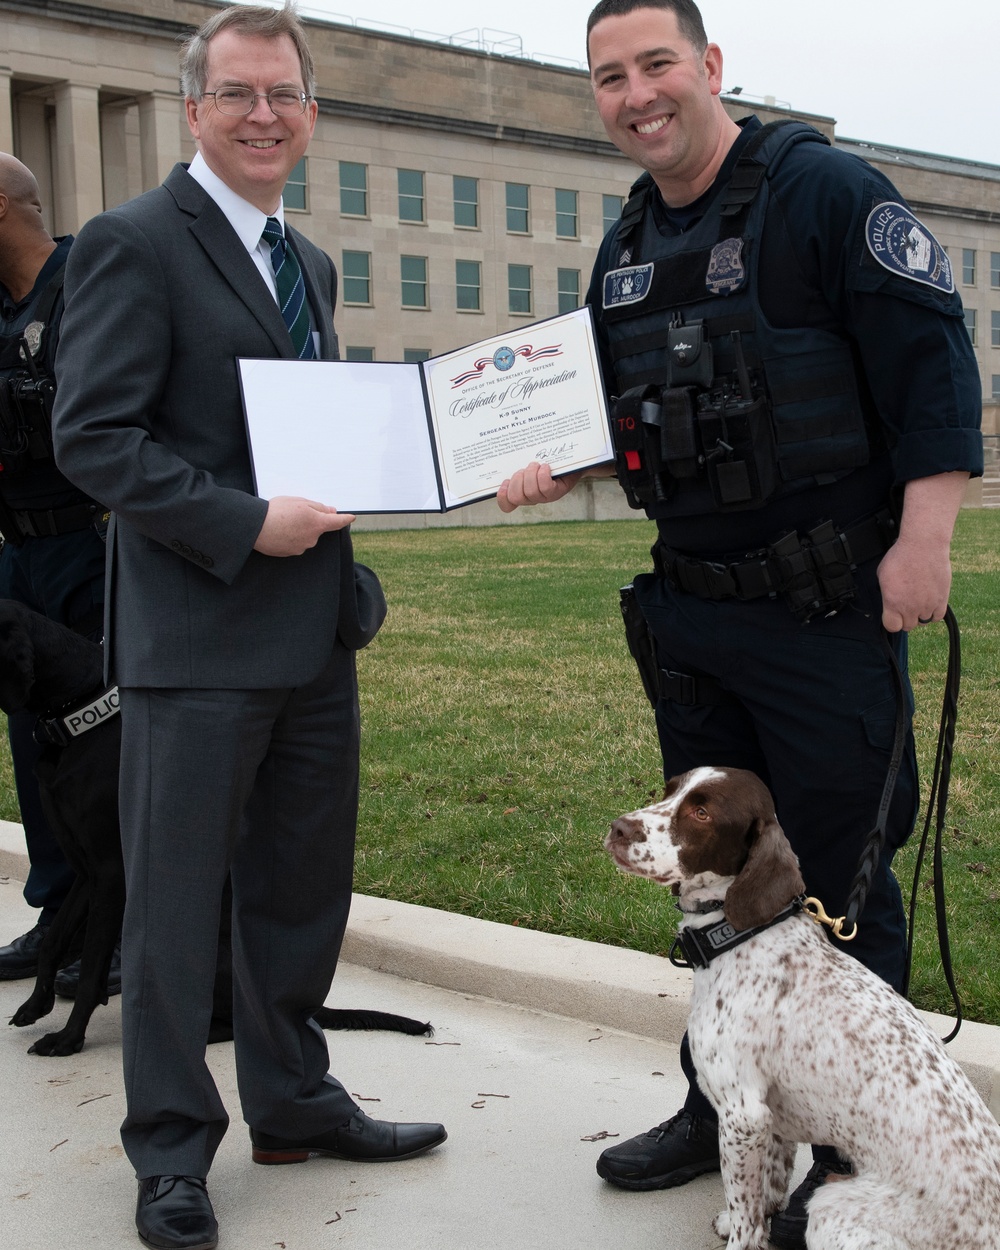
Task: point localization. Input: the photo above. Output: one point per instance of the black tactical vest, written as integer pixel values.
(719, 410)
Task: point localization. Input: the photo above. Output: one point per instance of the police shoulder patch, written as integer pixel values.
(627, 286)
(904, 246)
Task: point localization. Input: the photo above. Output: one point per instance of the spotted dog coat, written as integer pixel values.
(796, 1042)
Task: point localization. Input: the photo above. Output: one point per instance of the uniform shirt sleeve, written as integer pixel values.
(910, 339)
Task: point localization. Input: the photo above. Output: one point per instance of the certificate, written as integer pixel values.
(428, 437)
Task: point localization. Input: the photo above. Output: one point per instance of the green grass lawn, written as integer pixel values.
(505, 727)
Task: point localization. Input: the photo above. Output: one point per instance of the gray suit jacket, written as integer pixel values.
(161, 298)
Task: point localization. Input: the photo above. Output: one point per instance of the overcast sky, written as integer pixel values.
(920, 74)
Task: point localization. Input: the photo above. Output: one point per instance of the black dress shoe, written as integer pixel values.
(673, 1153)
(788, 1227)
(174, 1213)
(371, 1141)
(20, 958)
(68, 981)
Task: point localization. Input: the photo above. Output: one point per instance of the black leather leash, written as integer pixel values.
(937, 803)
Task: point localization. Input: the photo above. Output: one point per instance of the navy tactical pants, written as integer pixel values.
(811, 709)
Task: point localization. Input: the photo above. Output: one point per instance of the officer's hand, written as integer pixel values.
(915, 584)
(293, 525)
(532, 485)
(915, 573)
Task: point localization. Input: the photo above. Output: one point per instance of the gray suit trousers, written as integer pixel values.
(262, 783)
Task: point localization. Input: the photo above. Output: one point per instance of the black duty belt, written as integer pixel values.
(47, 522)
(60, 730)
(812, 571)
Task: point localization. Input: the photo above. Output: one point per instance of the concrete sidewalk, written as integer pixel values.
(541, 1042)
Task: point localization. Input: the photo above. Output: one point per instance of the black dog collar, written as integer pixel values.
(59, 731)
(696, 948)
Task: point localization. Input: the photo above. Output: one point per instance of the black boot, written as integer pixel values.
(673, 1153)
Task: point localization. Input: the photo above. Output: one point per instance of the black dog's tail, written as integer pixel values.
(343, 1018)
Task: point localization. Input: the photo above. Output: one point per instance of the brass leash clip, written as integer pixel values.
(815, 910)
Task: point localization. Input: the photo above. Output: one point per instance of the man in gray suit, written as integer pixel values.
(231, 623)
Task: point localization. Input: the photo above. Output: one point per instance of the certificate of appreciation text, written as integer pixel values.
(428, 437)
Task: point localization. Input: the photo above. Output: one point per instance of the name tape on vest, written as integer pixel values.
(627, 286)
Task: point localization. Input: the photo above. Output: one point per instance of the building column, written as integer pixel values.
(6, 111)
(159, 135)
(79, 190)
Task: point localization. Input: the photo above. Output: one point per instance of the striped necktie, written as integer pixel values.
(291, 290)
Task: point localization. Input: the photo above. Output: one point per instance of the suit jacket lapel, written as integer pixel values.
(221, 244)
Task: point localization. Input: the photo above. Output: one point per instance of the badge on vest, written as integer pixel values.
(627, 286)
(904, 246)
(726, 272)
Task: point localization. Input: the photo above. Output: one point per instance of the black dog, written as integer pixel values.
(58, 675)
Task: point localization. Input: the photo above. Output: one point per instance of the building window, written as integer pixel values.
(611, 207)
(970, 324)
(995, 328)
(411, 194)
(969, 266)
(359, 353)
(569, 289)
(414, 355)
(519, 288)
(995, 269)
(518, 219)
(294, 195)
(356, 272)
(468, 282)
(996, 386)
(567, 224)
(353, 189)
(466, 195)
(413, 274)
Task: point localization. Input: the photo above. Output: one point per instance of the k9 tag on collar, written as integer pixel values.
(904, 246)
(627, 286)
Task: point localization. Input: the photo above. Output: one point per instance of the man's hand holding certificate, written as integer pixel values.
(433, 436)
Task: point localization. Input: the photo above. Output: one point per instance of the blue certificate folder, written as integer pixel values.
(370, 437)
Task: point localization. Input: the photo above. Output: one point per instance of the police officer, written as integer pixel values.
(797, 409)
(52, 557)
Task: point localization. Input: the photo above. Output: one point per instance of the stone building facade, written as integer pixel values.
(461, 193)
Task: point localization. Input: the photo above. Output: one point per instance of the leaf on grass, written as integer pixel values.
(978, 867)
(507, 811)
(600, 1136)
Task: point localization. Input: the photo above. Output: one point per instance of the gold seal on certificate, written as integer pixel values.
(428, 437)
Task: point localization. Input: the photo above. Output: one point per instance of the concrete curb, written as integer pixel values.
(605, 986)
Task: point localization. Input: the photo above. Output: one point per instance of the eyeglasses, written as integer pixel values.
(240, 101)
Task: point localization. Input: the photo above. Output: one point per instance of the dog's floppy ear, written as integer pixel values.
(17, 665)
(768, 881)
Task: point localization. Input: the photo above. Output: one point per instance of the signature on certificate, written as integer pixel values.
(547, 454)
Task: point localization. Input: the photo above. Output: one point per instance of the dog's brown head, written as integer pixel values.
(715, 832)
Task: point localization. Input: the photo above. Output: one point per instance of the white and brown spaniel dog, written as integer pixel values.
(796, 1042)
